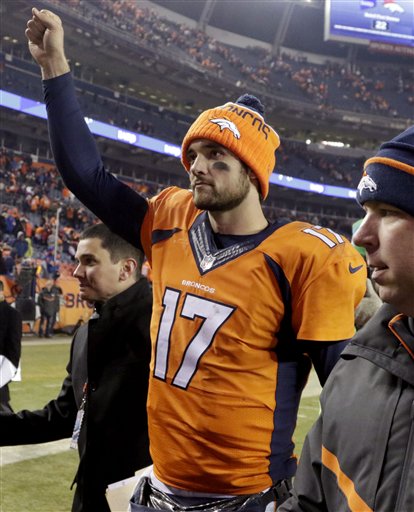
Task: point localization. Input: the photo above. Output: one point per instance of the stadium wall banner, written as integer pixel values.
(73, 310)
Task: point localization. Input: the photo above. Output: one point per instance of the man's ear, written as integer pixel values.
(128, 268)
(253, 179)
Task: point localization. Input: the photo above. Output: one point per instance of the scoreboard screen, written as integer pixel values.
(361, 21)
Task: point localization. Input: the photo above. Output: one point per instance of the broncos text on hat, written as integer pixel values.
(240, 127)
(388, 176)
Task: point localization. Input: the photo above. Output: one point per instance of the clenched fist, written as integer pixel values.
(46, 43)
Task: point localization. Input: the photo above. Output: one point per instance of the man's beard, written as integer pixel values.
(224, 201)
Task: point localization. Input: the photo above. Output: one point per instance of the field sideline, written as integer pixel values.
(37, 478)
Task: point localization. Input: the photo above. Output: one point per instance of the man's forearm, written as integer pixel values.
(80, 164)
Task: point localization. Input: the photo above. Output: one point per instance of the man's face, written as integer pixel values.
(387, 233)
(99, 278)
(218, 179)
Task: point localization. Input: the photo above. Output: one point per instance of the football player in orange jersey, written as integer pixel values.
(242, 307)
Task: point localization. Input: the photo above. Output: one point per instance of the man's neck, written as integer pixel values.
(246, 219)
(122, 287)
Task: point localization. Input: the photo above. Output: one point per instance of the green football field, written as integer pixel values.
(38, 478)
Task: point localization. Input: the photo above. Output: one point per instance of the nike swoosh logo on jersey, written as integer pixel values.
(352, 269)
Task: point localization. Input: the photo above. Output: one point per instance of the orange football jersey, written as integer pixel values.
(222, 407)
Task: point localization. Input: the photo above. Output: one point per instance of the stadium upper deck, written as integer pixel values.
(184, 63)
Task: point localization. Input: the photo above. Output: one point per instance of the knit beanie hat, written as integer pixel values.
(241, 128)
(389, 175)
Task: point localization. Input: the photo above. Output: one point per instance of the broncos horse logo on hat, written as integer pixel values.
(367, 183)
(226, 124)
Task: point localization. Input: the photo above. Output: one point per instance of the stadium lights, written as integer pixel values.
(145, 142)
(334, 144)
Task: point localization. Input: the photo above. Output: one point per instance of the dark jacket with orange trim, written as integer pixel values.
(359, 455)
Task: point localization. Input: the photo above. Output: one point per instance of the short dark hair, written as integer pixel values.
(117, 247)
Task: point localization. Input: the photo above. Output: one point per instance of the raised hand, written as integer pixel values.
(46, 43)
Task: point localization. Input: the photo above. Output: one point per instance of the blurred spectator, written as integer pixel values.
(3, 267)
(26, 279)
(47, 300)
(58, 293)
(8, 261)
(20, 245)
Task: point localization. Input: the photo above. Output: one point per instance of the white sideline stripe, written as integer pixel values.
(39, 341)
(13, 454)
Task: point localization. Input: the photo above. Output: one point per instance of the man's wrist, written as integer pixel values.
(55, 69)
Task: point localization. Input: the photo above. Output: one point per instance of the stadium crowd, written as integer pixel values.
(297, 159)
(381, 89)
(31, 194)
(384, 90)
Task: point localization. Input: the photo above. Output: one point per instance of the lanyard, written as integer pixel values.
(79, 418)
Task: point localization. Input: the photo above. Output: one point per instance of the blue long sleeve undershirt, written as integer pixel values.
(80, 165)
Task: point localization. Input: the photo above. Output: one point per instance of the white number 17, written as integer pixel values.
(214, 315)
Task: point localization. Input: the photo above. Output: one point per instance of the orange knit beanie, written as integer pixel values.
(241, 128)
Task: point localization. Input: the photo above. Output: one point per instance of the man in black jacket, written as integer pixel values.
(105, 390)
(10, 348)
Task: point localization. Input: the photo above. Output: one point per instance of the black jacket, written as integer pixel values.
(360, 453)
(112, 353)
(10, 333)
(10, 340)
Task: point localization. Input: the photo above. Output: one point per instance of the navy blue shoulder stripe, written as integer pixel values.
(286, 336)
(158, 235)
